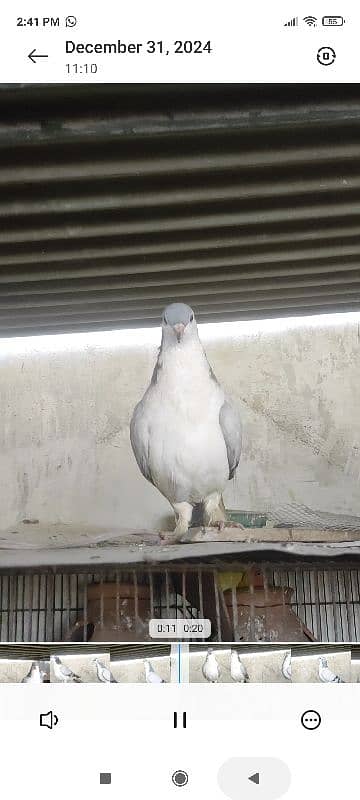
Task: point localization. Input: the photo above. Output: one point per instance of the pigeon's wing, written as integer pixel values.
(230, 425)
(331, 676)
(67, 672)
(139, 438)
(107, 674)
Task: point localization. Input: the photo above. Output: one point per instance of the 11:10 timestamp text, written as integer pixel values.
(81, 69)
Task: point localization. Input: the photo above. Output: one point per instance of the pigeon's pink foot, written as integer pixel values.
(170, 538)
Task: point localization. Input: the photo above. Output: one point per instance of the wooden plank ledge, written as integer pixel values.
(264, 535)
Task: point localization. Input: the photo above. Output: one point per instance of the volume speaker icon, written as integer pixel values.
(292, 23)
(48, 720)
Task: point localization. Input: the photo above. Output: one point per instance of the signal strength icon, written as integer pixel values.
(311, 21)
(292, 22)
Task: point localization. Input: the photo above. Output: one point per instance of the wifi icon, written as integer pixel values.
(311, 21)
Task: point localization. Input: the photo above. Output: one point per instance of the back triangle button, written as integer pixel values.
(255, 778)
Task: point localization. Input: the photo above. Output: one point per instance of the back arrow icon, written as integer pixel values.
(34, 55)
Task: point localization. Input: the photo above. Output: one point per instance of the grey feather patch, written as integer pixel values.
(139, 438)
(211, 372)
(157, 369)
(230, 425)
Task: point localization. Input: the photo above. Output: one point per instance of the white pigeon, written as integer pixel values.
(286, 667)
(103, 672)
(35, 674)
(238, 670)
(185, 432)
(64, 673)
(150, 675)
(326, 675)
(210, 668)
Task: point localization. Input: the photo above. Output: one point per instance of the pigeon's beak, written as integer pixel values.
(179, 330)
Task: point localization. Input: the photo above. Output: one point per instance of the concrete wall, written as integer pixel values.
(305, 669)
(66, 402)
(133, 670)
(262, 667)
(82, 664)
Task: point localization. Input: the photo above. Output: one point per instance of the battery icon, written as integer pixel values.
(334, 22)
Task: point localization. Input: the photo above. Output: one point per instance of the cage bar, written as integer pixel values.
(49, 605)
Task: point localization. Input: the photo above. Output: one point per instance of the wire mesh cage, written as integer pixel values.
(245, 602)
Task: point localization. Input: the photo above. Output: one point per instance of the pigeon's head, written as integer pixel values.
(178, 322)
(323, 661)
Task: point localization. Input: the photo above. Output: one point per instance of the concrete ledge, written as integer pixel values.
(140, 555)
(32, 545)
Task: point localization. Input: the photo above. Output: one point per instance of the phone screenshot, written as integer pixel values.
(179, 400)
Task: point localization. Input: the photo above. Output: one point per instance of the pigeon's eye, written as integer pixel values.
(191, 317)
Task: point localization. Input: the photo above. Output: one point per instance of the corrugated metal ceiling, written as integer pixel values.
(115, 200)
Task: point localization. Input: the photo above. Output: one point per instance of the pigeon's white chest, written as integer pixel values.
(237, 670)
(187, 452)
(153, 677)
(211, 669)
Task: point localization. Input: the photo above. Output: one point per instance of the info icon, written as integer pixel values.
(326, 56)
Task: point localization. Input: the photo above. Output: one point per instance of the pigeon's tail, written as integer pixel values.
(197, 519)
(198, 516)
(222, 507)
